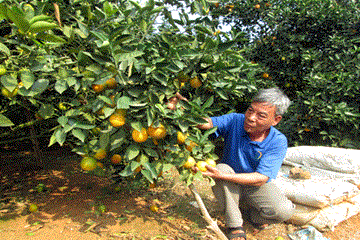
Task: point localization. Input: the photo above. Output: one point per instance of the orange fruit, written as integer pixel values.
(98, 87)
(265, 75)
(154, 208)
(116, 159)
(181, 137)
(211, 162)
(9, 94)
(117, 120)
(111, 83)
(88, 163)
(62, 106)
(257, 6)
(157, 132)
(138, 169)
(216, 33)
(100, 154)
(139, 136)
(201, 165)
(33, 208)
(190, 146)
(195, 82)
(190, 162)
(2, 70)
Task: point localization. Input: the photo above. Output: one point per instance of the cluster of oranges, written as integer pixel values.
(109, 84)
(183, 78)
(201, 165)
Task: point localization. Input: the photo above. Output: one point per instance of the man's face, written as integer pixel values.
(259, 117)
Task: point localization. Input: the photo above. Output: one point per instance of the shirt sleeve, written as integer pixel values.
(223, 124)
(272, 158)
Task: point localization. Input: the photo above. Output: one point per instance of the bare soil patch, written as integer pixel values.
(77, 205)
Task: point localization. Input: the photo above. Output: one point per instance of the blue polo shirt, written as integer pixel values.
(246, 156)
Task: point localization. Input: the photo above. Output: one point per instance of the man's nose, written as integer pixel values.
(252, 116)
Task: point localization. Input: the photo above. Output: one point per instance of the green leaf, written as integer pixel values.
(136, 4)
(27, 78)
(124, 102)
(9, 82)
(79, 134)
(37, 88)
(136, 125)
(17, 16)
(134, 165)
(41, 26)
(41, 17)
(225, 46)
(50, 38)
(148, 175)
(128, 56)
(151, 152)
(208, 102)
(62, 120)
(104, 140)
(127, 171)
(60, 136)
(61, 86)
(46, 110)
(132, 151)
(5, 122)
(108, 8)
(148, 166)
(4, 49)
(52, 140)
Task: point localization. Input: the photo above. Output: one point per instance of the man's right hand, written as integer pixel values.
(171, 104)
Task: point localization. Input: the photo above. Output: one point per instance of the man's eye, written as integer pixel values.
(262, 116)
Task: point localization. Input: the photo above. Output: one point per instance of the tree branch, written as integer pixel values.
(212, 224)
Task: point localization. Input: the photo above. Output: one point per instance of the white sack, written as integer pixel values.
(327, 218)
(317, 192)
(327, 158)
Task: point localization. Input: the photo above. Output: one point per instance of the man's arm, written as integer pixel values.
(253, 179)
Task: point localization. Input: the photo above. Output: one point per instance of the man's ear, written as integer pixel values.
(277, 120)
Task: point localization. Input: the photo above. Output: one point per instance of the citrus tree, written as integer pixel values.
(310, 49)
(106, 73)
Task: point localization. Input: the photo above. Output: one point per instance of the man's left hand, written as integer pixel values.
(212, 172)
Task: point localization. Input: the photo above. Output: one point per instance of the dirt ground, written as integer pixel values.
(77, 205)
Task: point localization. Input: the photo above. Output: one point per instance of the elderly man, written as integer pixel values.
(253, 153)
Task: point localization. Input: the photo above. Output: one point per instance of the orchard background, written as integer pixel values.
(99, 77)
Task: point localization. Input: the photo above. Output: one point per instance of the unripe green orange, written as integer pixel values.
(88, 164)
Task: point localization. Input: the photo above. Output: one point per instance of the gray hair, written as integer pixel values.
(273, 96)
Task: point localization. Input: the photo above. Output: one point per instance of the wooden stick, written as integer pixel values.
(212, 224)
